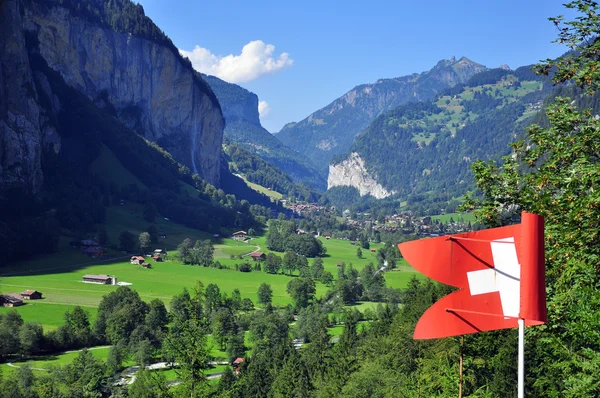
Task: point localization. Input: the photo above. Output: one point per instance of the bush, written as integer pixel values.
(245, 267)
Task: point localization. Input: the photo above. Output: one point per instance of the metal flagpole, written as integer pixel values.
(521, 377)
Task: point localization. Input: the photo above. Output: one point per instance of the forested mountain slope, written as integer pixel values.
(240, 108)
(332, 129)
(258, 171)
(428, 146)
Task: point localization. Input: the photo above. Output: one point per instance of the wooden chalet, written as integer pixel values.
(11, 300)
(373, 250)
(138, 260)
(327, 235)
(160, 252)
(352, 242)
(340, 264)
(240, 235)
(93, 251)
(31, 295)
(238, 361)
(158, 259)
(147, 265)
(101, 279)
(258, 256)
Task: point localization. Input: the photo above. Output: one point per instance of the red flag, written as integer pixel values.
(500, 274)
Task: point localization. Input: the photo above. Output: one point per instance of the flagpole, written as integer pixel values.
(521, 375)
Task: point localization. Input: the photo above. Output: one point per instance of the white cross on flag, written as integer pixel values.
(500, 274)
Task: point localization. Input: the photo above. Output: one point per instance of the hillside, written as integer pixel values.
(72, 147)
(257, 171)
(332, 129)
(240, 109)
(428, 146)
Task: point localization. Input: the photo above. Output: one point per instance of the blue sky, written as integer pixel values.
(300, 56)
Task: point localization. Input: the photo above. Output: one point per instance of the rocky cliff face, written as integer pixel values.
(152, 88)
(352, 172)
(20, 133)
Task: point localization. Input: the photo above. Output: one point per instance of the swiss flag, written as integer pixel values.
(500, 274)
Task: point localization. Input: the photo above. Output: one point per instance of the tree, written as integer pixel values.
(149, 384)
(145, 242)
(327, 278)
(317, 268)
(290, 260)
(126, 241)
(303, 269)
(555, 172)
(251, 232)
(302, 291)
(184, 251)
(31, 337)
(265, 294)
(273, 263)
(202, 253)
(157, 318)
(358, 252)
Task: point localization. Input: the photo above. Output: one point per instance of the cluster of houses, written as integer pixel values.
(157, 256)
(15, 300)
(408, 223)
(304, 209)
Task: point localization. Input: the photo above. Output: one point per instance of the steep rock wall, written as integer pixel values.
(20, 133)
(138, 77)
(352, 172)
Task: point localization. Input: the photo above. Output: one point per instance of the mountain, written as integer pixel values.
(98, 107)
(117, 57)
(240, 109)
(428, 146)
(256, 170)
(332, 129)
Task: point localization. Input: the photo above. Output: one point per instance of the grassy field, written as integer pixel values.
(50, 316)
(464, 217)
(58, 276)
(48, 361)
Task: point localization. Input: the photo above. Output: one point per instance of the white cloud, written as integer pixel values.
(263, 109)
(256, 59)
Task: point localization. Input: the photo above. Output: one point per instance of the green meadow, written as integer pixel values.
(59, 275)
(463, 217)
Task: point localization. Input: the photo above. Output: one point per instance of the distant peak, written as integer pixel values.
(504, 66)
(453, 59)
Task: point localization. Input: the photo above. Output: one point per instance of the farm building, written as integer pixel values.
(93, 251)
(147, 265)
(327, 235)
(139, 260)
(160, 252)
(11, 300)
(240, 235)
(257, 256)
(157, 259)
(373, 250)
(31, 295)
(102, 279)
